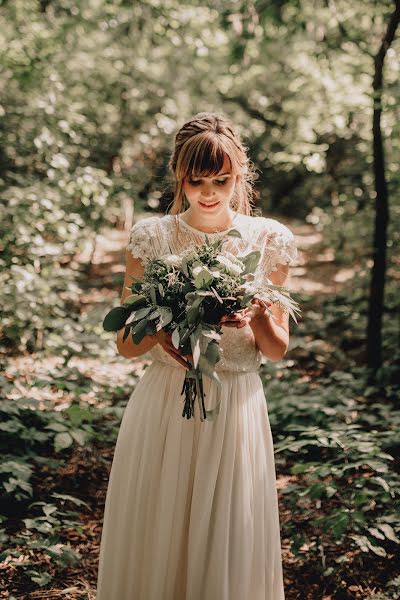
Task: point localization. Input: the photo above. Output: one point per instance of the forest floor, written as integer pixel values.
(85, 473)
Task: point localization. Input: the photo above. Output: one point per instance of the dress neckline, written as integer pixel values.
(183, 222)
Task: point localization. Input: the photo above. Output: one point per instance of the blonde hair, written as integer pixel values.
(200, 148)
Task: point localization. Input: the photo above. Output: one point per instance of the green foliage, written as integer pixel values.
(36, 442)
(339, 446)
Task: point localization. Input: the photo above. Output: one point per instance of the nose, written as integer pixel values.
(207, 191)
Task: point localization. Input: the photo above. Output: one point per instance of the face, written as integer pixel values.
(211, 195)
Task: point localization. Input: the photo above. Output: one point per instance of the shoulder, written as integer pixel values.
(279, 240)
(144, 226)
(145, 238)
(275, 229)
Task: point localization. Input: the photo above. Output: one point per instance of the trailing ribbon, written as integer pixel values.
(193, 388)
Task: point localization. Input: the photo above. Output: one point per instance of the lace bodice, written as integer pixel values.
(154, 236)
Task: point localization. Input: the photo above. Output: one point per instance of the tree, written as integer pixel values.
(377, 285)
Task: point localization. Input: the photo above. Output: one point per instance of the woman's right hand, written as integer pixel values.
(164, 338)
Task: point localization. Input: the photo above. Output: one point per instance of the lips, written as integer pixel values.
(207, 204)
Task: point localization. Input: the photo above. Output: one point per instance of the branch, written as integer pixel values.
(252, 112)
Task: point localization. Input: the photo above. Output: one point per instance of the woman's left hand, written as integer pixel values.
(257, 308)
(242, 318)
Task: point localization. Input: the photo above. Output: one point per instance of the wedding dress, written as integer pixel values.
(191, 511)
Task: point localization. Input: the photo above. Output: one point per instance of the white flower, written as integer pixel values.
(197, 270)
(249, 288)
(172, 260)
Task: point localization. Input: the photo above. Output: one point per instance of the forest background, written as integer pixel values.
(92, 92)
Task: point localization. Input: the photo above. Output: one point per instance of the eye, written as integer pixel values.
(217, 182)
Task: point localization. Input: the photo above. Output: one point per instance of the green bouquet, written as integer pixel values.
(186, 294)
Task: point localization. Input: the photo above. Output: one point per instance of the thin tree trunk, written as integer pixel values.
(377, 285)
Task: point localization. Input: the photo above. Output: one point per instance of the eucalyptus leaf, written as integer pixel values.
(139, 331)
(212, 353)
(116, 318)
(175, 338)
(152, 293)
(165, 317)
(203, 278)
(138, 314)
(134, 299)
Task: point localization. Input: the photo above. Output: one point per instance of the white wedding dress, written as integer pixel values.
(192, 510)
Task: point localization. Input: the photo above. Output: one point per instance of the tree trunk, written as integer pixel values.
(377, 285)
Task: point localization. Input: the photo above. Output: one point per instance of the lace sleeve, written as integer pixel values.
(279, 247)
(144, 240)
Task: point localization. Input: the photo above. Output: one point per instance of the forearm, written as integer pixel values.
(271, 339)
(128, 349)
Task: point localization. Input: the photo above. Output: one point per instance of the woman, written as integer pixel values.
(192, 509)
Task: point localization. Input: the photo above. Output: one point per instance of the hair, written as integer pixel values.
(201, 145)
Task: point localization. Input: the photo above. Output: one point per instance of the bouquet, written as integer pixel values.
(186, 295)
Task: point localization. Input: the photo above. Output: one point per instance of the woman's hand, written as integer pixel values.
(258, 308)
(237, 319)
(164, 338)
(243, 317)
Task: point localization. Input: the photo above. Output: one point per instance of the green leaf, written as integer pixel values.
(340, 523)
(378, 550)
(79, 436)
(136, 315)
(381, 482)
(376, 533)
(203, 278)
(250, 261)
(152, 292)
(139, 331)
(216, 294)
(56, 426)
(300, 468)
(175, 338)
(389, 532)
(116, 318)
(208, 369)
(234, 233)
(165, 317)
(213, 353)
(41, 579)
(195, 344)
(62, 441)
(330, 491)
(134, 299)
(72, 499)
(126, 332)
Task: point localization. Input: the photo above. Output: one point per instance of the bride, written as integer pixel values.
(191, 510)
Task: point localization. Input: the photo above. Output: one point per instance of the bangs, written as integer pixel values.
(203, 156)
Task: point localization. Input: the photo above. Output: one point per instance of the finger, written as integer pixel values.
(180, 359)
(169, 349)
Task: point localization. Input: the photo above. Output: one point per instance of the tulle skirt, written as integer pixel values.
(191, 510)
